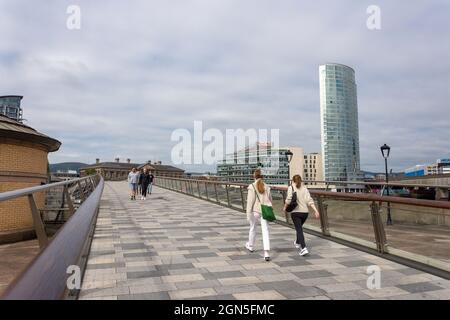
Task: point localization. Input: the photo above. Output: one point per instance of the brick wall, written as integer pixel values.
(16, 214)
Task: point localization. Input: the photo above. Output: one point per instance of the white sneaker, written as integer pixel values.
(296, 245)
(143, 198)
(247, 246)
(304, 252)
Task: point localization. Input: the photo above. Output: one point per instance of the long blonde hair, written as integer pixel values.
(297, 180)
(259, 181)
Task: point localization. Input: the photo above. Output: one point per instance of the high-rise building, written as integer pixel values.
(339, 123)
(10, 107)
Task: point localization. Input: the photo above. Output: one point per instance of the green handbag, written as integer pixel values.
(266, 211)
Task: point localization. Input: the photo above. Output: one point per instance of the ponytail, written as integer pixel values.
(297, 180)
(259, 181)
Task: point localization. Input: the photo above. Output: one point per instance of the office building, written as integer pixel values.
(277, 170)
(339, 123)
(442, 166)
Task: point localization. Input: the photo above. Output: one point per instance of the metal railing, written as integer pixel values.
(233, 195)
(46, 276)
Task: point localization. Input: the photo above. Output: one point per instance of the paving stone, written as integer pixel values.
(336, 287)
(348, 295)
(145, 296)
(239, 280)
(223, 274)
(236, 289)
(192, 293)
(313, 274)
(419, 287)
(259, 295)
(356, 263)
(385, 292)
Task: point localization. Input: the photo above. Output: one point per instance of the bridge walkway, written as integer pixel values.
(173, 246)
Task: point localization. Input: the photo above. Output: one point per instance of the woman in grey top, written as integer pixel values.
(300, 213)
(133, 177)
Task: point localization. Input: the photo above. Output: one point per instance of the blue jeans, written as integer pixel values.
(149, 189)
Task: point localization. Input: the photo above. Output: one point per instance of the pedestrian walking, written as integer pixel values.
(145, 181)
(297, 202)
(133, 182)
(258, 194)
(139, 186)
(150, 185)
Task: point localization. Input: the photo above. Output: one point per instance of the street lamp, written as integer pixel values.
(289, 155)
(385, 150)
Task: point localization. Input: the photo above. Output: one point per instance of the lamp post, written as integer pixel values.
(385, 150)
(289, 155)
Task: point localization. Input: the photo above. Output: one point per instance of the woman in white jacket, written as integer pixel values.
(300, 213)
(258, 193)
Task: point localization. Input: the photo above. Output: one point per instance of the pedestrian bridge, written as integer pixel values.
(175, 246)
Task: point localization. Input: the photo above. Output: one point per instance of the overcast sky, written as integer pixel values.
(137, 70)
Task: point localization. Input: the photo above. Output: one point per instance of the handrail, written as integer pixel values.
(8, 195)
(46, 276)
(340, 195)
(364, 183)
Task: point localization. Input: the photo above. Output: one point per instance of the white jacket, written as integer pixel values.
(304, 199)
(253, 205)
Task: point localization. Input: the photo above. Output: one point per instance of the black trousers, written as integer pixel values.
(299, 219)
(144, 189)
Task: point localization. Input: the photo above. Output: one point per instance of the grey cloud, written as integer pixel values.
(137, 71)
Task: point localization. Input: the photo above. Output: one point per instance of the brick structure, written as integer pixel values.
(23, 163)
(114, 171)
(159, 169)
(117, 171)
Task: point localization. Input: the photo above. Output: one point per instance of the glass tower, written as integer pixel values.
(339, 123)
(10, 107)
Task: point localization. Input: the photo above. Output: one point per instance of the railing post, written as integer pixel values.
(215, 190)
(38, 224)
(198, 190)
(286, 214)
(92, 184)
(242, 198)
(68, 200)
(378, 227)
(82, 195)
(206, 190)
(324, 223)
(228, 195)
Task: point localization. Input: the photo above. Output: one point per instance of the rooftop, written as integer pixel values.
(10, 128)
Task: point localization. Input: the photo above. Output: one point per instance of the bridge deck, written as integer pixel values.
(173, 246)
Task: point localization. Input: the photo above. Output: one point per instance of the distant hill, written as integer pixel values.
(65, 166)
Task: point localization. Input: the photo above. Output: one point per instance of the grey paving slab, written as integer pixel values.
(156, 249)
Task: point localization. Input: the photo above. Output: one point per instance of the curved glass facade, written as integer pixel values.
(339, 123)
